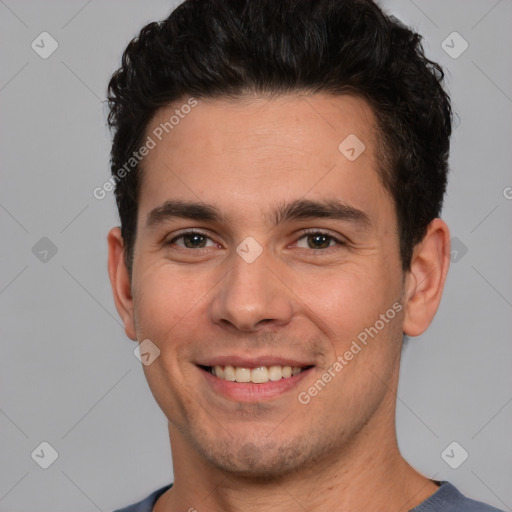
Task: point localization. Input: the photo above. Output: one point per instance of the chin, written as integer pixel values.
(249, 461)
(264, 460)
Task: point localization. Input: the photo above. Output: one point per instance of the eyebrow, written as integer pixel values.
(300, 209)
(303, 209)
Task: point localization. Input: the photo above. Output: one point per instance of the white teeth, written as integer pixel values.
(258, 375)
(229, 373)
(242, 374)
(275, 373)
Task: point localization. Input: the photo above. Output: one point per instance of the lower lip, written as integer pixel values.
(251, 392)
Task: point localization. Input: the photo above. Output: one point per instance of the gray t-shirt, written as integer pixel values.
(446, 499)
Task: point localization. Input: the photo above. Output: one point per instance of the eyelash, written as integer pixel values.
(303, 235)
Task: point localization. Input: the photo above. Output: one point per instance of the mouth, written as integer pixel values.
(256, 375)
(242, 379)
(252, 380)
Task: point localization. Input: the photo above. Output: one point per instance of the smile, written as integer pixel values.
(259, 375)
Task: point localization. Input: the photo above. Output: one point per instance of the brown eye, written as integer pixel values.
(192, 240)
(318, 240)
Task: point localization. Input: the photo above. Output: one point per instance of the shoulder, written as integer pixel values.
(449, 499)
(146, 505)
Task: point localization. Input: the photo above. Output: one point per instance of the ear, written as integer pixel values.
(120, 281)
(425, 280)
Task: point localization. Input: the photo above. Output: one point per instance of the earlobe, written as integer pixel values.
(426, 278)
(120, 281)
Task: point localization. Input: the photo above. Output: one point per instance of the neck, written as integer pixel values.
(370, 475)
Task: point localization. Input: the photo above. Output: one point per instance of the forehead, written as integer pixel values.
(239, 154)
(253, 123)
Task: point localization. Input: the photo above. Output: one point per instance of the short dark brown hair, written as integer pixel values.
(231, 48)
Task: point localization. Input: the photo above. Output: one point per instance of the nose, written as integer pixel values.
(252, 296)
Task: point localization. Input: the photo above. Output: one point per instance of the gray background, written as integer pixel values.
(68, 374)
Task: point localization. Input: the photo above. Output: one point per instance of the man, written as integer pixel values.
(280, 170)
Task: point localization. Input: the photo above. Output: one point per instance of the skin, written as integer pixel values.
(246, 157)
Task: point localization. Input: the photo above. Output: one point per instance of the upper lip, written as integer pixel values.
(253, 362)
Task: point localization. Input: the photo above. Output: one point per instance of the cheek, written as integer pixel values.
(350, 307)
(166, 300)
(348, 299)
(168, 306)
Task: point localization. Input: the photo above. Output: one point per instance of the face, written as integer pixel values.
(263, 249)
